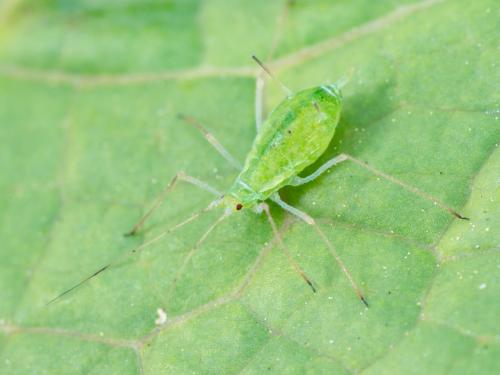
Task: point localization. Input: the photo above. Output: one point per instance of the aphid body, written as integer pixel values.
(293, 137)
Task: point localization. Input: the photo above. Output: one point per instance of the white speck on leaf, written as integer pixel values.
(482, 286)
(162, 317)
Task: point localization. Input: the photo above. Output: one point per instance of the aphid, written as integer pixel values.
(293, 137)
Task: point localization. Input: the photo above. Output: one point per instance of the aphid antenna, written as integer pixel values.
(285, 88)
(136, 250)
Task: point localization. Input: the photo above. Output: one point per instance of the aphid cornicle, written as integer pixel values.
(293, 137)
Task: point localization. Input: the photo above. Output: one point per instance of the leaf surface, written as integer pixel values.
(90, 93)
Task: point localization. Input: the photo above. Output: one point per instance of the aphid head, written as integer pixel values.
(231, 203)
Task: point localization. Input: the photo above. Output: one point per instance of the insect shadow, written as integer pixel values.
(294, 136)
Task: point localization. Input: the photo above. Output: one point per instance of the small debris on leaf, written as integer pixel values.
(162, 317)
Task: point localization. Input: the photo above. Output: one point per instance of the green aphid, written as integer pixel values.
(293, 137)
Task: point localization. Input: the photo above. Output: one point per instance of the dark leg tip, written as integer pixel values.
(312, 287)
(130, 234)
(364, 301)
(456, 214)
(310, 284)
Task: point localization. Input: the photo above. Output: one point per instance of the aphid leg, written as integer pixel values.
(196, 247)
(259, 102)
(270, 74)
(343, 157)
(330, 163)
(309, 220)
(294, 264)
(180, 176)
(136, 250)
(405, 186)
(211, 139)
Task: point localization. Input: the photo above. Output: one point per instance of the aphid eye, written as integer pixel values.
(239, 206)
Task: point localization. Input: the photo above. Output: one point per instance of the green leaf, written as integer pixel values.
(90, 93)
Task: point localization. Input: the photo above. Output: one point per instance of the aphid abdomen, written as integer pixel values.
(294, 136)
